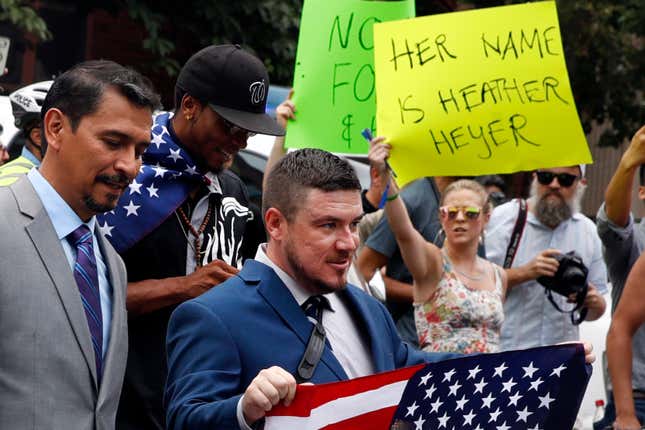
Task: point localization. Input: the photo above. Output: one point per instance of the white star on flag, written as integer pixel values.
(494, 415)
(514, 398)
(429, 392)
(135, 187)
(419, 423)
(468, 418)
(424, 379)
(472, 373)
(508, 385)
(132, 209)
(558, 370)
(448, 375)
(152, 190)
(436, 405)
(174, 154)
(500, 369)
(529, 370)
(461, 403)
(157, 139)
(453, 388)
(479, 387)
(523, 414)
(159, 171)
(545, 401)
(105, 229)
(412, 409)
(488, 400)
(443, 420)
(191, 170)
(536, 384)
(503, 426)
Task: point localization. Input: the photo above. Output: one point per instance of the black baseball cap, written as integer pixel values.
(234, 83)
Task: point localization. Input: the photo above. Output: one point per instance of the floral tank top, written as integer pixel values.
(459, 319)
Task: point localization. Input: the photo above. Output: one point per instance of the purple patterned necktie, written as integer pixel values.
(87, 279)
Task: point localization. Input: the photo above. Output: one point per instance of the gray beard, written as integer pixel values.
(550, 213)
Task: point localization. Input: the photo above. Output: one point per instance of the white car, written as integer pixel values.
(249, 165)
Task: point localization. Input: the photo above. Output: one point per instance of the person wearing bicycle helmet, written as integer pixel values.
(26, 104)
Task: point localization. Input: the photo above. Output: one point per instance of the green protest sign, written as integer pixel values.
(334, 78)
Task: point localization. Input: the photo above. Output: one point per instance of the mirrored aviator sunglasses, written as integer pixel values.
(470, 212)
(564, 179)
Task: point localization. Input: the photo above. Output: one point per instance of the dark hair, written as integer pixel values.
(492, 180)
(179, 94)
(78, 91)
(302, 170)
(641, 174)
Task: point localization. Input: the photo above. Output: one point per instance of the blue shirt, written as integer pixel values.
(622, 247)
(30, 156)
(65, 221)
(530, 319)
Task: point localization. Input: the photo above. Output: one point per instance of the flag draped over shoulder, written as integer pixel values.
(165, 178)
(537, 388)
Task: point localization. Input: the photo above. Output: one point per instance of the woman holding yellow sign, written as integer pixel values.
(458, 295)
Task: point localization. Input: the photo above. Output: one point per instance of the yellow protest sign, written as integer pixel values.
(476, 92)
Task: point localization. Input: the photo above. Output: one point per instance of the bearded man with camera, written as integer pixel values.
(553, 259)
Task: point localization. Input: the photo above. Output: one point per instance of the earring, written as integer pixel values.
(189, 117)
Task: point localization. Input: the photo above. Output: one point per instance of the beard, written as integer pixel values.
(307, 280)
(112, 199)
(551, 208)
(552, 212)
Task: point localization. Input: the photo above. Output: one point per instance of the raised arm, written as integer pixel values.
(284, 112)
(617, 199)
(423, 259)
(629, 316)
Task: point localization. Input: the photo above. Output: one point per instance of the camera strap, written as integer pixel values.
(313, 308)
(580, 298)
(516, 236)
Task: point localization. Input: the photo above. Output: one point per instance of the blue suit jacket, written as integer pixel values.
(218, 342)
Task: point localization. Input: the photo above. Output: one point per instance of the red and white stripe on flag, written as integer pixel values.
(368, 402)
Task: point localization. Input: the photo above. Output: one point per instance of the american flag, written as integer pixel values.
(533, 389)
(165, 178)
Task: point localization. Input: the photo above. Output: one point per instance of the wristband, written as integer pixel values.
(392, 197)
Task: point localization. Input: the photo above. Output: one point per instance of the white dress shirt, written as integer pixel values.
(350, 348)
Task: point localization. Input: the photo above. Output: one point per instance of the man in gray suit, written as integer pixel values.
(62, 287)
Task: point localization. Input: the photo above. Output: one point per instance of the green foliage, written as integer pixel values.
(268, 27)
(25, 18)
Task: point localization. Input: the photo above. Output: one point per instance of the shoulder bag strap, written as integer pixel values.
(516, 235)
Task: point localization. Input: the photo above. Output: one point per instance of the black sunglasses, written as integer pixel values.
(564, 179)
(232, 129)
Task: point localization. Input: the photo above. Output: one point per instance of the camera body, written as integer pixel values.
(571, 277)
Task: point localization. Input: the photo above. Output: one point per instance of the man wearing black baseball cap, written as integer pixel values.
(184, 225)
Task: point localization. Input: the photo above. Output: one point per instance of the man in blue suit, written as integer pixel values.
(233, 352)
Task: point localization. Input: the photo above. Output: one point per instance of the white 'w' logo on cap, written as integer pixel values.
(258, 92)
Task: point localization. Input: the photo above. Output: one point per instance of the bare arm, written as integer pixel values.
(423, 259)
(629, 316)
(617, 199)
(284, 112)
(152, 294)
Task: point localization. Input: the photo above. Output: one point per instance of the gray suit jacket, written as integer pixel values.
(47, 368)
